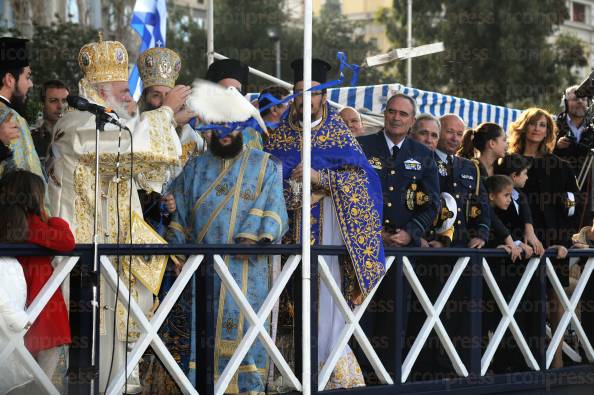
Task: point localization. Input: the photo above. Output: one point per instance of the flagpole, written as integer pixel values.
(306, 202)
(210, 33)
(409, 44)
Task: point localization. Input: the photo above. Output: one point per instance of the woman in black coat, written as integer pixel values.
(550, 182)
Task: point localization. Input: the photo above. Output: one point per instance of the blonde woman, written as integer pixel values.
(550, 182)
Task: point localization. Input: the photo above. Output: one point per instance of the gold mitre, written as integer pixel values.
(104, 61)
(159, 66)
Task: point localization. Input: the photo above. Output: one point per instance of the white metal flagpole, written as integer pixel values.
(409, 44)
(306, 206)
(210, 32)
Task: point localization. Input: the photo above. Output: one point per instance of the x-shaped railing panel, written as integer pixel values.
(567, 349)
(433, 320)
(15, 343)
(507, 311)
(569, 314)
(256, 322)
(149, 335)
(351, 327)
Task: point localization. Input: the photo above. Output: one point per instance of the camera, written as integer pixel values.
(586, 88)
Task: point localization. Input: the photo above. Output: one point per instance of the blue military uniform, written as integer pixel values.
(460, 178)
(410, 187)
(410, 184)
(473, 217)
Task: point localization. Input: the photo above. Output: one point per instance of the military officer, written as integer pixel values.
(408, 174)
(410, 187)
(426, 130)
(461, 178)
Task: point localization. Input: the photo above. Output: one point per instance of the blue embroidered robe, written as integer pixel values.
(348, 179)
(219, 201)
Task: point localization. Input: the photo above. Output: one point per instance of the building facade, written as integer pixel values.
(580, 24)
(364, 11)
(21, 14)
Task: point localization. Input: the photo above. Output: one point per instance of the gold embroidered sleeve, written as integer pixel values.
(160, 122)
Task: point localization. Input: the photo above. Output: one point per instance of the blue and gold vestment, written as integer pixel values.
(348, 179)
(220, 202)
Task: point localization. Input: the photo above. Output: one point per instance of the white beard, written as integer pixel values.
(121, 109)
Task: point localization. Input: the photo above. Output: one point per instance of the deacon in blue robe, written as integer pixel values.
(233, 194)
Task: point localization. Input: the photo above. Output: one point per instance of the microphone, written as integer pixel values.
(82, 104)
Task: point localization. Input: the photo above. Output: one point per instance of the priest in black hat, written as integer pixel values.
(346, 210)
(16, 145)
(231, 73)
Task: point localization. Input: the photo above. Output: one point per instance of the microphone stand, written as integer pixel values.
(100, 122)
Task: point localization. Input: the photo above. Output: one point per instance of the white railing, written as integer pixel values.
(149, 328)
(16, 343)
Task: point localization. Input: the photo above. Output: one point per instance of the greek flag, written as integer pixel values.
(149, 20)
(374, 97)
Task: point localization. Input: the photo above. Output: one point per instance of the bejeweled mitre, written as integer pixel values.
(159, 66)
(104, 61)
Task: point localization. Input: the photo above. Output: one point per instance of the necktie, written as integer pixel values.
(395, 150)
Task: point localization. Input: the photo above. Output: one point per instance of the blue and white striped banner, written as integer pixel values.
(374, 99)
(149, 20)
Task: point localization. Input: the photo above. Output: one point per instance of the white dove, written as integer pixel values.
(215, 103)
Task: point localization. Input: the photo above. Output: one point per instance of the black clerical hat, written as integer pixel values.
(319, 70)
(13, 53)
(228, 68)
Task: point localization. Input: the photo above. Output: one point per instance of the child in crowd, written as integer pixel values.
(500, 189)
(517, 218)
(51, 329)
(13, 295)
(503, 200)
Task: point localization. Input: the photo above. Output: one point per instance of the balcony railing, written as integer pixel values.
(204, 262)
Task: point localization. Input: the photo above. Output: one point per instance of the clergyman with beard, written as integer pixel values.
(346, 210)
(233, 194)
(16, 145)
(159, 69)
(71, 186)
